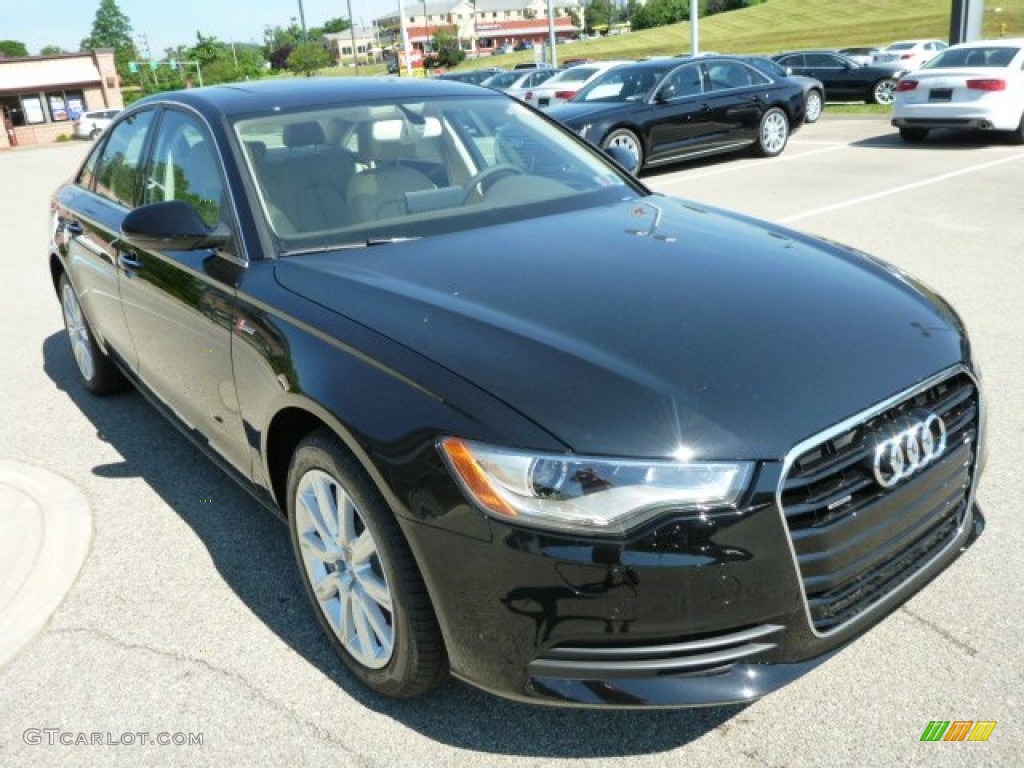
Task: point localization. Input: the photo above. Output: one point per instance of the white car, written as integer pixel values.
(519, 82)
(908, 54)
(563, 86)
(977, 85)
(89, 125)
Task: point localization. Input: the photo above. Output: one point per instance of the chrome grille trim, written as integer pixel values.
(701, 655)
(962, 531)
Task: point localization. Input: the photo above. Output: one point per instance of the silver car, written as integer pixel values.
(519, 82)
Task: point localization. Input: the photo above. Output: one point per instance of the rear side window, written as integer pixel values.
(117, 173)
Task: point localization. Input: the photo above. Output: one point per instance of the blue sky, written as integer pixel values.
(169, 23)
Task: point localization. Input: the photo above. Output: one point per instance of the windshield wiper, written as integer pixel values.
(348, 246)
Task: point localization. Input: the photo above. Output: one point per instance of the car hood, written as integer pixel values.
(649, 327)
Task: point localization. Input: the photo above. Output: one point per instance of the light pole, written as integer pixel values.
(302, 18)
(352, 30)
(426, 30)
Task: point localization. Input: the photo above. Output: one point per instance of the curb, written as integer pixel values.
(45, 531)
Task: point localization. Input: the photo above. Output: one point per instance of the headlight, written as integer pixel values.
(585, 494)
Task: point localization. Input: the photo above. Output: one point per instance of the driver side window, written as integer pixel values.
(687, 81)
(185, 167)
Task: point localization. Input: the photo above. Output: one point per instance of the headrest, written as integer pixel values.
(303, 135)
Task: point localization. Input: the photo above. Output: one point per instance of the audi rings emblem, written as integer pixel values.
(916, 445)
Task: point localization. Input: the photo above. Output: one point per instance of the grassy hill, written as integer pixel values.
(779, 25)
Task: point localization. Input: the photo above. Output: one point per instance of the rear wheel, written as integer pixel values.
(359, 573)
(883, 91)
(772, 133)
(913, 135)
(813, 106)
(623, 138)
(1017, 136)
(99, 375)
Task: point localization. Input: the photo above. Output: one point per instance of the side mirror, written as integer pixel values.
(667, 93)
(789, 71)
(171, 226)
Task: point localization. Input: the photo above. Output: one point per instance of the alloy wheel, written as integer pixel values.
(342, 562)
(774, 133)
(78, 332)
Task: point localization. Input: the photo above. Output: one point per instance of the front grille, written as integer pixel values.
(709, 654)
(855, 540)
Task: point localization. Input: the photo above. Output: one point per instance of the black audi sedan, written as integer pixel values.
(527, 422)
(666, 110)
(844, 78)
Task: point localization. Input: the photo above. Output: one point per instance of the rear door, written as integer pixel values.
(88, 226)
(736, 101)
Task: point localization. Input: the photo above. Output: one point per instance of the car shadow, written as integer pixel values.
(237, 533)
(939, 138)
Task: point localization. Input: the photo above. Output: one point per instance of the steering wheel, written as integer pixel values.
(488, 176)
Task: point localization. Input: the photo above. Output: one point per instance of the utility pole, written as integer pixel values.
(352, 31)
(302, 18)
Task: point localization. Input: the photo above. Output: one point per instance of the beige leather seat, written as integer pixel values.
(379, 191)
(305, 186)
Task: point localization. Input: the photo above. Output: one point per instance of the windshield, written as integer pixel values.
(994, 56)
(623, 84)
(356, 173)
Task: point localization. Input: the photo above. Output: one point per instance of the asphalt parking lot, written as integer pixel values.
(187, 615)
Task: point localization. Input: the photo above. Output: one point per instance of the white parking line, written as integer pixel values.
(760, 163)
(898, 190)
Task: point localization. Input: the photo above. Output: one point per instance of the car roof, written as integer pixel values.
(1006, 42)
(237, 99)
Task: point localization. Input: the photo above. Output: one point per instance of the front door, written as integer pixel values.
(179, 304)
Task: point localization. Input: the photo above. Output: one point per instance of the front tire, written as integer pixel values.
(913, 135)
(359, 573)
(772, 133)
(627, 140)
(883, 90)
(95, 134)
(99, 374)
(813, 106)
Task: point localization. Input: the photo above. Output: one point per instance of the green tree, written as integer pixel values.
(330, 27)
(598, 16)
(12, 48)
(658, 13)
(51, 50)
(307, 58)
(112, 29)
(446, 51)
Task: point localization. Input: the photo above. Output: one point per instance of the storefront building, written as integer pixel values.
(483, 26)
(40, 96)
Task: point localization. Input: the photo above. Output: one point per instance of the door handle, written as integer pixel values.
(128, 262)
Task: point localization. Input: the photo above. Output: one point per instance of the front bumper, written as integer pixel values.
(696, 612)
